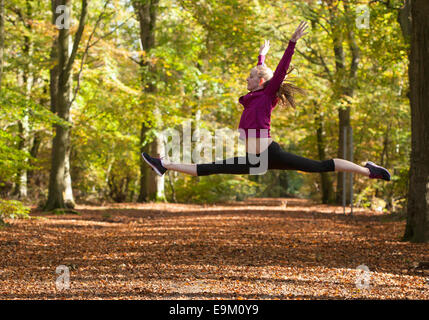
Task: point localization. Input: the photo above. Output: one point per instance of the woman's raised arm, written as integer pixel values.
(280, 73)
(263, 52)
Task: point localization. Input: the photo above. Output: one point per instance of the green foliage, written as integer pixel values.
(13, 209)
(213, 188)
(203, 53)
(15, 107)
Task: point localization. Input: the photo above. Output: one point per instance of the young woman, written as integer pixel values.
(266, 90)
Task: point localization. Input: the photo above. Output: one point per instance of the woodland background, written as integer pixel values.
(79, 105)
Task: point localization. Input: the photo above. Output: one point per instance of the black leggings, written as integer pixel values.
(277, 159)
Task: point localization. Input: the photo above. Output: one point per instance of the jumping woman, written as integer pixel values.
(266, 90)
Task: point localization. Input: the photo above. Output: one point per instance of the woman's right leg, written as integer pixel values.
(235, 165)
(180, 167)
(228, 166)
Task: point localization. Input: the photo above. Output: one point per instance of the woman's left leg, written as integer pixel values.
(342, 165)
(280, 159)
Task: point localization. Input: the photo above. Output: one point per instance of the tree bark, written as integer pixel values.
(24, 123)
(60, 182)
(24, 145)
(1, 39)
(346, 84)
(36, 141)
(151, 185)
(144, 170)
(417, 228)
(327, 188)
(404, 19)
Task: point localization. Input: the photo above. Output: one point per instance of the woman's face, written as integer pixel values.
(253, 80)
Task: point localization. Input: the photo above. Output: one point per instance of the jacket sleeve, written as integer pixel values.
(279, 75)
(261, 60)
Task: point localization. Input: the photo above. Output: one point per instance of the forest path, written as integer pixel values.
(256, 249)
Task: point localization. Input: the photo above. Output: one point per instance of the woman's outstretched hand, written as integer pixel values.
(264, 48)
(299, 32)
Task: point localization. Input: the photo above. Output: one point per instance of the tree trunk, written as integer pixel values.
(1, 39)
(24, 123)
(60, 183)
(157, 183)
(404, 19)
(327, 188)
(344, 124)
(144, 169)
(24, 145)
(36, 141)
(347, 82)
(151, 185)
(417, 228)
(59, 104)
(68, 191)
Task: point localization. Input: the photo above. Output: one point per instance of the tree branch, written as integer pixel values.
(354, 49)
(85, 54)
(140, 63)
(109, 33)
(78, 36)
(318, 60)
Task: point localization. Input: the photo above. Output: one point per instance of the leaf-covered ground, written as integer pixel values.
(258, 249)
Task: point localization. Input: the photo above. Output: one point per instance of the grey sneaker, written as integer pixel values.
(155, 163)
(377, 172)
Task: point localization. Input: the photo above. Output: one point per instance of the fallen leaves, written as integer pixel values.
(258, 249)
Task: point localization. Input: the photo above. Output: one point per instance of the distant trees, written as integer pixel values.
(177, 60)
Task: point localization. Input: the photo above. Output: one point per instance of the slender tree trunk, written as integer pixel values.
(344, 123)
(68, 191)
(54, 72)
(24, 145)
(144, 169)
(24, 122)
(344, 79)
(157, 183)
(327, 188)
(36, 140)
(346, 83)
(151, 185)
(339, 87)
(417, 228)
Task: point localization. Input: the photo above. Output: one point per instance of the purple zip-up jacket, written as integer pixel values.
(259, 104)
